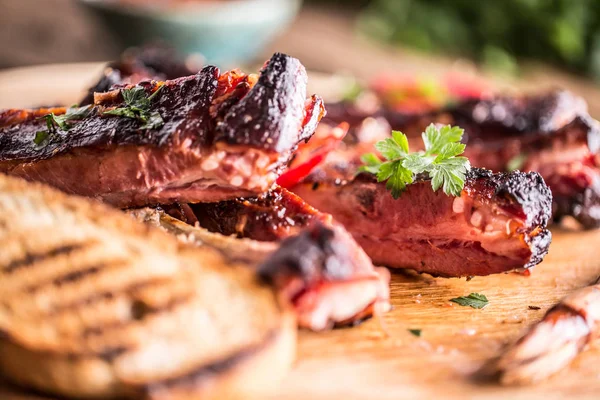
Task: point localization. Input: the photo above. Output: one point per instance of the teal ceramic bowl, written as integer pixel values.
(226, 32)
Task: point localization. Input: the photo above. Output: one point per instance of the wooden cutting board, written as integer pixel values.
(380, 359)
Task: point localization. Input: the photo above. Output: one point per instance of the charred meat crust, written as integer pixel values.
(317, 264)
(584, 206)
(272, 106)
(269, 117)
(183, 104)
(539, 245)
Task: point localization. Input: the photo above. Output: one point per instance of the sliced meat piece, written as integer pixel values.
(313, 261)
(217, 142)
(551, 344)
(96, 305)
(497, 224)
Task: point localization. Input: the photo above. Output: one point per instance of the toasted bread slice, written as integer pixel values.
(96, 305)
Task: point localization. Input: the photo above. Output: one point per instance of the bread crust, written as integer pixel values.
(252, 373)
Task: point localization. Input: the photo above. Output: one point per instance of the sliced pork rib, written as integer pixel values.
(313, 261)
(224, 136)
(552, 134)
(498, 223)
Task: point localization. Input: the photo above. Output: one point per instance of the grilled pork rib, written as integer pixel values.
(312, 260)
(224, 136)
(552, 134)
(497, 224)
(550, 345)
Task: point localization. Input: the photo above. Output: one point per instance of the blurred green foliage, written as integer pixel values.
(495, 32)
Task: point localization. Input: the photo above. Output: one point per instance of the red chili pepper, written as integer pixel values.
(321, 147)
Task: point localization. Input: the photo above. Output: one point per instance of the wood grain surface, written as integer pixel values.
(380, 359)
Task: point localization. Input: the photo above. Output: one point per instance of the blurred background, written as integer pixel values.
(528, 44)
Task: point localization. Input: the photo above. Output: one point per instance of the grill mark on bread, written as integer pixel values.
(112, 353)
(193, 377)
(69, 277)
(46, 273)
(97, 297)
(139, 311)
(32, 258)
(77, 275)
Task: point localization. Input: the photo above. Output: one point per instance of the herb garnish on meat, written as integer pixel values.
(53, 122)
(474, 300)
(137, 106)
(441, 160)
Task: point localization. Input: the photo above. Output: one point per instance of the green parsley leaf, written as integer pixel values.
(441, 160)
(415, 332)
(154, 121)
(450, 174)
(402, 140)
(474, 300)
(436, 138)
(394, 147)
(372, 163)
(451, 150)
(62, 121)
(417, 163)
(122, 112)
(137, 106)
(41, 138)
(73, 114)
(399, 178)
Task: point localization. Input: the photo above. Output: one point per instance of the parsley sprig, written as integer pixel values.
(62, 121)
(137, 106)
(474, 300)
(441, 160)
